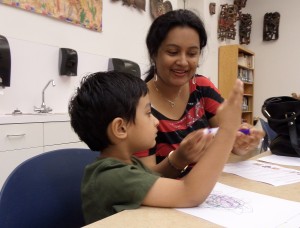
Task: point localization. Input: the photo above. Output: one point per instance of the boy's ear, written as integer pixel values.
(118, 128)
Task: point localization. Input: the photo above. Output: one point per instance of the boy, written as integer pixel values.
(111, 113)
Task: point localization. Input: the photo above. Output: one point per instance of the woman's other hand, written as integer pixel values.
(246, 143)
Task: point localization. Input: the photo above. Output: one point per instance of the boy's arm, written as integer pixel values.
(197, 185)
(163, 167)
(190, 151)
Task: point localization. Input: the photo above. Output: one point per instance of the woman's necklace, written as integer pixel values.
(171, 103)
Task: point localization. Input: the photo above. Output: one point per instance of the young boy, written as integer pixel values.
(111, 113)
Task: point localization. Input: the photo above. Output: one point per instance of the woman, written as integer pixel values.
(181, 100)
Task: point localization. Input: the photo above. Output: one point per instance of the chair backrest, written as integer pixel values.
(270, 134)
(44, 191)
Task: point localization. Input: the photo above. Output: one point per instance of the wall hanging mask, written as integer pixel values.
(139, 4)
(271, 26)
(240, 4)
(245, 28)
(227, 20)
(159, 7)
(212, 8)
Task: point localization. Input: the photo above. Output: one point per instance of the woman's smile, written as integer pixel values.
(180, 73)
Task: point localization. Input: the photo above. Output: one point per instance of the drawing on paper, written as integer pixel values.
(225, 202)
(87, 14)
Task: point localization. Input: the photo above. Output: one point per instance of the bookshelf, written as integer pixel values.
(235, 61)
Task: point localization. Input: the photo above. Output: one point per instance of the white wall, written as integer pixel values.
(35, 41)
(209, 60)
(276, 62)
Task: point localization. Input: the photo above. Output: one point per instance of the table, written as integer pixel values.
(166, 217)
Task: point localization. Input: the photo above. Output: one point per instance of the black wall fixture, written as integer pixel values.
(68, 61)
(5, 62)
(124, 65)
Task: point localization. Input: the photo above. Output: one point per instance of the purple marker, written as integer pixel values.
(215, 129)
(246, 131)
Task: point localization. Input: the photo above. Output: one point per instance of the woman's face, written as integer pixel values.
(178, 56)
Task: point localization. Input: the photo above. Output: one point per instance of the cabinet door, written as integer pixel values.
(9, 160)
(65, 145)
(21, 136)
(56, 133)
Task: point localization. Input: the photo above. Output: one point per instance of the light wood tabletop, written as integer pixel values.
(166, 217)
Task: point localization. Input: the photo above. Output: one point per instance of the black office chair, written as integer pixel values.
(44, 191)
(270, 135)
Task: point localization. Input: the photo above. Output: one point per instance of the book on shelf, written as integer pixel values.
(246, 60)
(245, 104)
(245, 75)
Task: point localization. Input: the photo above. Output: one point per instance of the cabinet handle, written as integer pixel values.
(16, 135)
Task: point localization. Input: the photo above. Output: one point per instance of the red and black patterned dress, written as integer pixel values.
(202, 105)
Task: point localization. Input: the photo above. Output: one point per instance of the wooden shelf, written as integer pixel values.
(236, 61)
(245, 67)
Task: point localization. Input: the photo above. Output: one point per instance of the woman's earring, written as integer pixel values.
(194, 79)
(155, 77)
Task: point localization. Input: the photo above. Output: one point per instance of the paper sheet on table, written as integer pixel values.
(282, 160)
(263, 172)
(233, 207)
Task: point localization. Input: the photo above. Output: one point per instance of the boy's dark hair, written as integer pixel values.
(102, 97)
(164, 23)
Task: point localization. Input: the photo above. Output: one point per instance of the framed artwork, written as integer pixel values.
(86, 13)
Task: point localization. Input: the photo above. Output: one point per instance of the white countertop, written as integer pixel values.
(33, 118)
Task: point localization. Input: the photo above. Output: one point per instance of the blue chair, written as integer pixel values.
(44, 191)
(270, 135)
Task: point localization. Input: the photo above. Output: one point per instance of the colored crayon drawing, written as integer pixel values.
(86, 13)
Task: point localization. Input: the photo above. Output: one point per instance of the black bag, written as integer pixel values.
(283, 115)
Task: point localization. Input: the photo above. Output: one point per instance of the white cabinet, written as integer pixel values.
(59, 133)
(9, 160)
(21, 136)
(64, 146)
(18, 142)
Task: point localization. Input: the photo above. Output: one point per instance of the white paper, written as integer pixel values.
(282, 160)
(233, 207)
(263, 172)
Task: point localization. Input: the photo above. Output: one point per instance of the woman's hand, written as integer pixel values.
(246, 143)
(191, 148)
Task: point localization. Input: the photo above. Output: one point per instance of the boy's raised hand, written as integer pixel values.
(230, 112)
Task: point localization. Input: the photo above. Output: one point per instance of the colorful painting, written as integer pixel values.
(86, 13)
